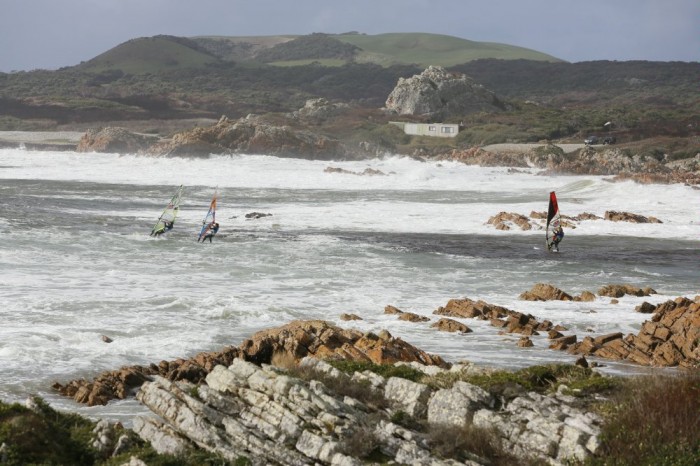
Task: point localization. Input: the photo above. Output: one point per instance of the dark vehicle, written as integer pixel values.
(609, 140)
(590, 140)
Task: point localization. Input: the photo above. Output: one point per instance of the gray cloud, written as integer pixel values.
(55, 33)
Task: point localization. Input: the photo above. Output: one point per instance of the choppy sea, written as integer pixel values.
(77, 261)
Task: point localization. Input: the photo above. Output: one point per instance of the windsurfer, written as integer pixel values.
(167, 226)
(558, 236)
(213, 229)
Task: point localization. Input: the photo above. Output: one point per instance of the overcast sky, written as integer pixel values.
(54, 33)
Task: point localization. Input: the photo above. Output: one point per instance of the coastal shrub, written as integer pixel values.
(539, 378)
(469, 443)
(44, 436)
(653, 420)
(404, 419)
(548, 149)
(193, 457)
(360, 443)
(385, 370)
(359, 389)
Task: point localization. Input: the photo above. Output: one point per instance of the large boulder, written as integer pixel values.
(114, 140)
(438, 93)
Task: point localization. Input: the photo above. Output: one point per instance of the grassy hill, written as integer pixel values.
(167, 53)
(420, 49)
(151, 55)
(433, 49)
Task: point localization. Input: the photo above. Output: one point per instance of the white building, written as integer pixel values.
(440, 130)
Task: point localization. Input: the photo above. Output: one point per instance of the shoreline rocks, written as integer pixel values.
(294, 341)
(272, 417)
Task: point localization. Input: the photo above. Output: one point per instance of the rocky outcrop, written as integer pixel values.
(366, 172)
(587, 161)
(407, 316)
(545, 427)
(537, 220)
(618, 291)
(294, 341)
(451, 325)
(320, 110)
(545, 292)
(509, 220)
(438, 93)
(270, 417)
(501, 317)
(615, 216)
(114, 139)
(252, 135)
(670, 338)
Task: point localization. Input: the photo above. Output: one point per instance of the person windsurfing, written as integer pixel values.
(554, 233)
(211, 231)
(558, 236)
(167, 226)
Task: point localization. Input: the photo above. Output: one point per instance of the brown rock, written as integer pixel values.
(350, 317)
(645, 308)
(106, 339)
(389, 309)
(114, 139)
(629, 217)
(617, 291)
(586, 296)
(615, 349)
(506, 220)
(411, 317)
(603, 339)
(553, 334)
(449, 325)
(545, 292)
(581, 362)
(464, 308)
(525, 342)
(563, 342)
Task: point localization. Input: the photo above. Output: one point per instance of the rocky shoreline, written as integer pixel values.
(670, 339)
(275, 399)
(256, 134)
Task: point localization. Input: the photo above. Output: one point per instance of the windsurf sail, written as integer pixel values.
(553, 221)
(209, 219)
(167, 218)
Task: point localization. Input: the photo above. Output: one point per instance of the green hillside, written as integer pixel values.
(151, 55)
(433, 49)
(382, 49)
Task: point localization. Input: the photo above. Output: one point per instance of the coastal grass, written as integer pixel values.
(385, 370)
(577, 381)
(652, 420)
(470, 443)
(360, 390)
(44, 436)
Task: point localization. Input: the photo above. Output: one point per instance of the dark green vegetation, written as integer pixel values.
(46, 436)
(653, 421)
(168, 78)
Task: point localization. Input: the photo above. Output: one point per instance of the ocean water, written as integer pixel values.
(77, 262)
